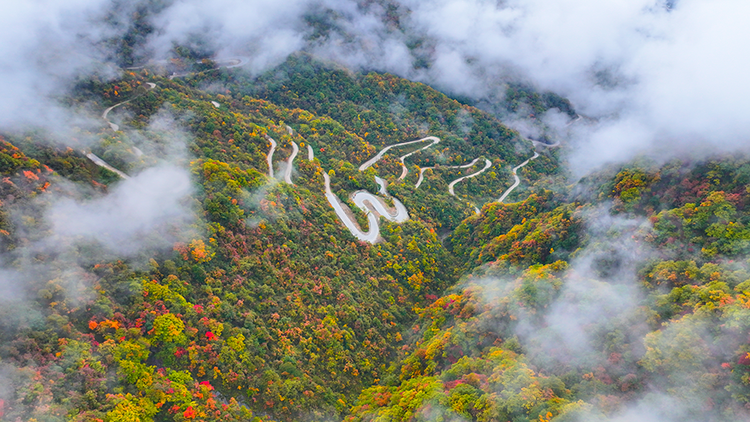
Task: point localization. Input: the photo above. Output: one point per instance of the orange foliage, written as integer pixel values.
(198, 251)
(182, 249)
(30, 175)
(109, 323)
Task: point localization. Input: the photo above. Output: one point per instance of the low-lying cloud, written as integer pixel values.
(148, 210)
(655, 75)
(44, 46)
(600, 292)
(595, 320)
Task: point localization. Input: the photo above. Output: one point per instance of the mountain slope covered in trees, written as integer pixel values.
(622, 292)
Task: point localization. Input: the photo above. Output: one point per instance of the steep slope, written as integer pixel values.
(265, 302)
(647, 318)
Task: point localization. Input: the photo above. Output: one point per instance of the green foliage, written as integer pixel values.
(519, 234)
(272, 308)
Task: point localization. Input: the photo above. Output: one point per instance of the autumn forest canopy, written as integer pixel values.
(178, 239)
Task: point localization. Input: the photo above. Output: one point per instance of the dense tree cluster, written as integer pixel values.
(269, 309)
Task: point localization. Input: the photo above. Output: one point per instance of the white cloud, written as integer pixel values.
(657, 76)
(144, 212)
(44, 45)
(676, 77)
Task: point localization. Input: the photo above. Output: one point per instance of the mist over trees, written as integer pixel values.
(155, 265)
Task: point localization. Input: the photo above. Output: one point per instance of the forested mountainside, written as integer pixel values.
(245, 296)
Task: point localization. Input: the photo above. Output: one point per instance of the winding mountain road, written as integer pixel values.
(380, 154)
(310, 153)
(113, 126)
(98, 161)
(487, 164)
(367, 201)
(229, 63)
(536, 154)
(269, 156)
(382, 186)
(404, 169)
(101, 163)
(290, 162)
(423, 169)
(234, 61)
(372, 205)
(515, 176)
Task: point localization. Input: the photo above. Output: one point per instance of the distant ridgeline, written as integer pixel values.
(290, 299)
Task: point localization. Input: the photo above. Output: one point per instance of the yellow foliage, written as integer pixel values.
(198, 251)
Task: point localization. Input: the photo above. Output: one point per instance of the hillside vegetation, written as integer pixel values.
(627, 289)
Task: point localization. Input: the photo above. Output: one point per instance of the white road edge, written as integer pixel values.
(372, 205)
(269, 157)
(290, 162)
(380, 154)
(487, 165)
